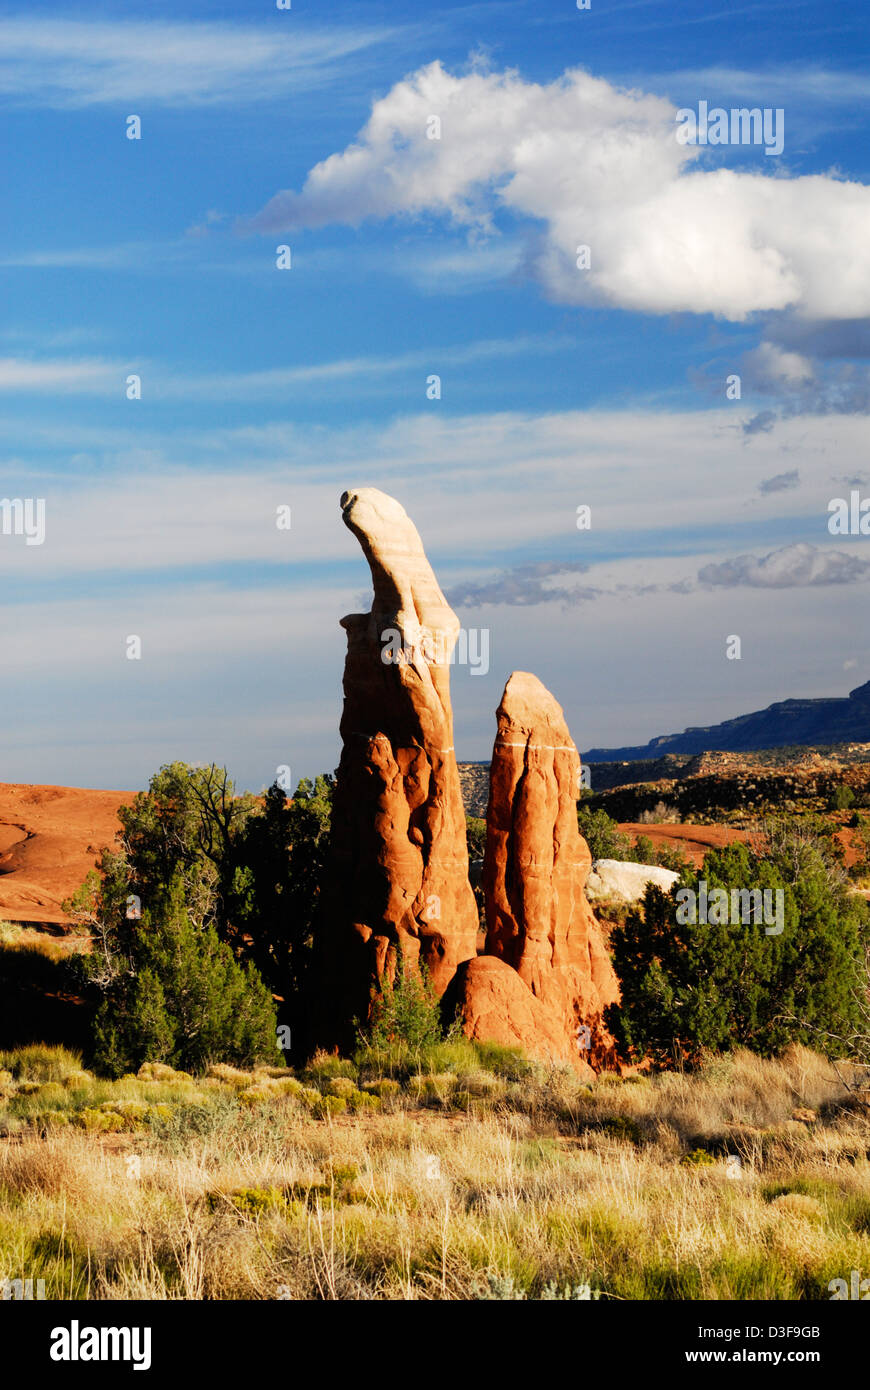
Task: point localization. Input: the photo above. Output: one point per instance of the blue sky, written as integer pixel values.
(410, 256)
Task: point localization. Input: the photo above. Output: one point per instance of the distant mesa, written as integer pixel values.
(788, 723)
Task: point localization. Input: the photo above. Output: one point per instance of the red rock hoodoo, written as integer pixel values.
(400, 862)
(546, 976)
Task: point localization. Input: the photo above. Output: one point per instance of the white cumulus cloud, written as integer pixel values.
(600, 167)
(794, 566)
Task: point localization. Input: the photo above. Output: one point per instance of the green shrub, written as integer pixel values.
(327, 1106)
(406, 1011)
(362, 1101)
(384, 1087)
(100, 1121)
(602, 835)
(41, 1063)
(250, 870)
(343, 1174)
(289, 1086)
(475, 836)
(324, 1067)
(623, 1127)
(340, 1086)
(182, 998)
(691, 986)
(698, 1158)
(670, 857)
(509, 1062)
(842, 798)
(248, 1201)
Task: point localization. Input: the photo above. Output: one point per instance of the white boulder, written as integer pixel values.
(624, 882)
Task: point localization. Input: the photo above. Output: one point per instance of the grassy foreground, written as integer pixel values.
(466, 1173)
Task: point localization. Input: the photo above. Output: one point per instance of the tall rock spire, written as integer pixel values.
(539, 923)
(399, 857)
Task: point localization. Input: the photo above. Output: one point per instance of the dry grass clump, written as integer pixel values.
(476, 1178)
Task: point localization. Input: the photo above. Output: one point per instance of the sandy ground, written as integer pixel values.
(49, 838)
(691, 840)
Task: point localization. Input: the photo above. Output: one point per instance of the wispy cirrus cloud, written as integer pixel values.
(128, 255)
(74, 63)
(668, 496)
(81, 377)
(276, 380)
(779, 83)
(89, 377)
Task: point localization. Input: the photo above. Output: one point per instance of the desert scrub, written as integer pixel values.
(113, 1116)
(404, 1204)
(434, 1089)
(230, 1076)
(799, 1204)
(288, 1086)
(326, 1107)
(248, 1201)
(400, 1060)
(384, 1087)
(339, 1186)
(508, 1062)
(568, 1293)
(340, 1086)
(159, 1071)
(845, 1205)
(172, 1127)
(698, 1158)
(623, 1127)
(362, 1102)
(256, 1095)
(324, 1067)
(31, 1095)
(40, 1063)
(100, 1121)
